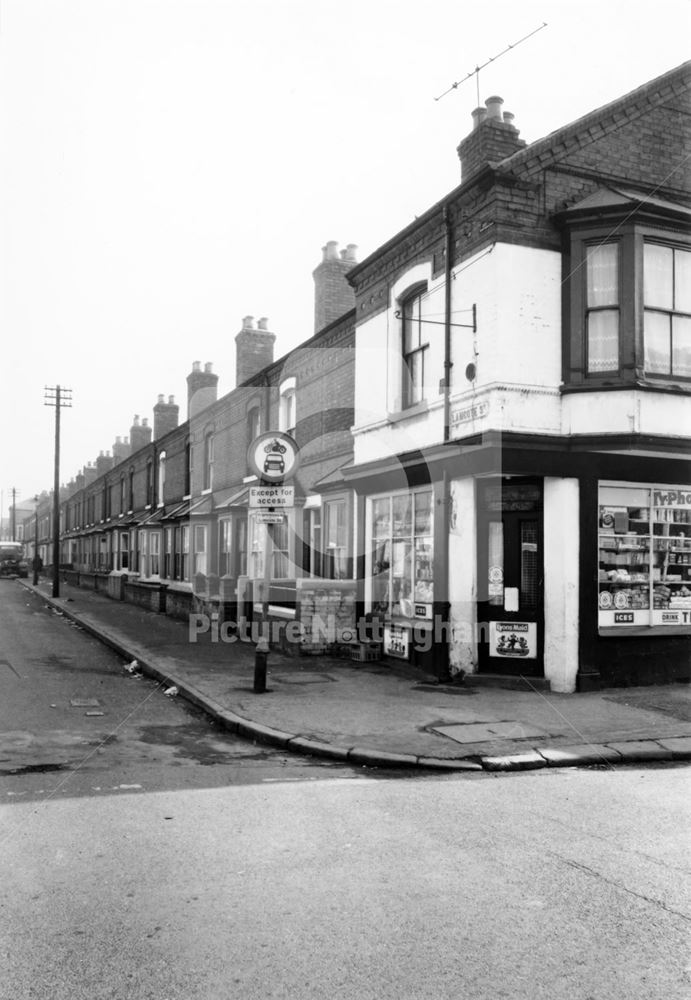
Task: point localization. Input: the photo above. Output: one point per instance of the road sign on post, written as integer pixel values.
(273, 457)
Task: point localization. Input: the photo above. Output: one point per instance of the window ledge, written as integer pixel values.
(411, 411)
(672, 388)
(623, 631)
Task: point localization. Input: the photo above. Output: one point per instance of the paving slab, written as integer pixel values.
(387, 714)
(641, 750)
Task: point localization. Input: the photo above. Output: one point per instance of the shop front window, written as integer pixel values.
(402, 555)
(644, 556)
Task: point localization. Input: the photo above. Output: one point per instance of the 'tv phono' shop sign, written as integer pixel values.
(274, 457)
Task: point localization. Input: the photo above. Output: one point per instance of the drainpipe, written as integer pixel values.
(448, 251)
(443, 606)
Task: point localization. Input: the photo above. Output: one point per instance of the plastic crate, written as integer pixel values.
(365, 652)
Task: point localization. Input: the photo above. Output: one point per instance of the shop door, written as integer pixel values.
(510, 568)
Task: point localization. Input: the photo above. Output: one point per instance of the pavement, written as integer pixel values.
(382, 715)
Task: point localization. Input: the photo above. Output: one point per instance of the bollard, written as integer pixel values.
(261, 653)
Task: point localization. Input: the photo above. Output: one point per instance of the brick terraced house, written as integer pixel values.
(165, 522)
(493, 416)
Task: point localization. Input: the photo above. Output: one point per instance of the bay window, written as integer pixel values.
(667, 310)
(602, 305)
(335, 540)
(224, 547)
(200, 549)
(627, 285)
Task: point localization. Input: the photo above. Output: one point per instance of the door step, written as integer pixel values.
(513, 682)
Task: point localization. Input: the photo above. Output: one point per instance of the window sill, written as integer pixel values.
(624, 631)
(679, 388)
(410, 411)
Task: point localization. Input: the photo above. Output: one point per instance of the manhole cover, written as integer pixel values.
(483, 732)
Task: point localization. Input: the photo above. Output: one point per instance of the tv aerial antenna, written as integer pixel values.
(476, 72)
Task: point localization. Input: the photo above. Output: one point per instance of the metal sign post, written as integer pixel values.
(273, 457)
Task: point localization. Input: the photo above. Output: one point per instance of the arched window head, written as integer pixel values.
(161, 475)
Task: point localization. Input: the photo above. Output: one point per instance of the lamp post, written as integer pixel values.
(35, 580)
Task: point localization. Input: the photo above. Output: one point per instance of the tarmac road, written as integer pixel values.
(147, 856)
(73, 721)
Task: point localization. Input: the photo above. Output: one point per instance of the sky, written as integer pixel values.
(170, 166)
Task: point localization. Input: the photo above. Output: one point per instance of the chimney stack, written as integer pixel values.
(254, 349)
(140, 434)
(90, 473)
(202, 388)
(333, 296)
(104, 462)
(121, 450)
(165, 416)
(493, 138)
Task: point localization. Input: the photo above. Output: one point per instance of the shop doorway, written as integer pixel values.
(510, 610)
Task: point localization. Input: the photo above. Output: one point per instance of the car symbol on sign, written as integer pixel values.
(274, 463)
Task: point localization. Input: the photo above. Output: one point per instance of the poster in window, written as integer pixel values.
(513, 640)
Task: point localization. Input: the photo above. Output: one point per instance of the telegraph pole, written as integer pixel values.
(58, 397)
(35, 562)
(13, 519)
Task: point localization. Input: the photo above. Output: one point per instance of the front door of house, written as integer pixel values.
(510, 608)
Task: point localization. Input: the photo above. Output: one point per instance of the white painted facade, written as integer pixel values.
(516, 351)
(561, 550)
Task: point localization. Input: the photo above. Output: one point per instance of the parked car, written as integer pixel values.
(12, 561)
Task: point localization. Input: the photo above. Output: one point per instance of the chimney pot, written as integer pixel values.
(196, 366)
(208, 368)
(145, 421)
(478, 116)
(161, 398)
(330, 251)
(263, 323)
(126, 440)
(171, 400)
(248, 322)
(493, 105)
(117, 440)
(351, 252)
(136, 420)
